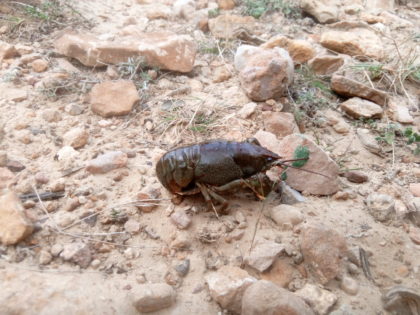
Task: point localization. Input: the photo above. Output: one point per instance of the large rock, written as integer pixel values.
(324, 11)
(380, 206)
(165, 50)
(279, 123)
(227, 286)
(300, 50)
(353, 40)
(286, 216)
(318, 161)
(323, 250)
(107, 162)
(14, 225)
(263, 255)
(229, 26)
(264, 297)
(111, 98)
(360, 108)
(325, 65)
(349, 87)
(153, 297)
(320, 300)
(264, 73)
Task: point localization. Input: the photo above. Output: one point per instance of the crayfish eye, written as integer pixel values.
(270, 159)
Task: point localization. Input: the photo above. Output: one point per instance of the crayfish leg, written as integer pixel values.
(208, 194)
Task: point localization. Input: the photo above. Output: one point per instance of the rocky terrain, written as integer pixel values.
(93, 93)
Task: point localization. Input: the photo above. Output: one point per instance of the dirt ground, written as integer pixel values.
(206, 111)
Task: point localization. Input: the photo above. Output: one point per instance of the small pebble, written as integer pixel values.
(349, 285)
(183, 268)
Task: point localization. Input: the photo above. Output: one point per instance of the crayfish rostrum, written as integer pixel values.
(214, 166)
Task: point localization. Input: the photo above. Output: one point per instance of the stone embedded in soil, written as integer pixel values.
(323, 11)
(264, 73)
(414, 235)
(39, 65)
(8, 92)
(165, 50)
(14, 225)
(145, 204)
(73, 109)
(320, 300)
(263, 255)
(228, 26)
(113, 98)
(15, 166)
(349, 87)
(356, 177)
(318, 161)
(399, 111)
(44, 257)
(152, 297)
(360, 108)
(281, 273)
(349, 285)
(51, 115)
(415, 189)
(78, 252)
(132, 226)
(247, 110)
(181, 219)
(6, 177)
(325, 65)
(323, 250)
(356, 41)
(380, 206)
(285, 216)
(107, 162)
(299, 50)
(76, 137)
(264, 297)
(289, 196)
(183, 268)
(7, 51)
(368, 140)
(227, 286)
(226, 4)
(280, 124)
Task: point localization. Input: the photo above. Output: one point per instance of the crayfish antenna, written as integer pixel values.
(282, 163)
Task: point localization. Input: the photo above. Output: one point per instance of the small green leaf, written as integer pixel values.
(408, 132)
(283, 176)
(411, 139)
(301, 152)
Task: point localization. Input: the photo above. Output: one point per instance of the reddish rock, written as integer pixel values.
(15, 166)
(107, 162)
(357, 41)
(14, 225)
(359, 108)
(323, 250)
(356, 177)
(280, 124)
(39, 65)
(76, 137)
(226, 4)
(152, 297)
(264, 297)
(281, 273)
(323, 11)
(300, 50)
(165, 50)
(6, 177)
(227, 286)
(145, 204)
(318, 161)
(264, 73)
(7, 51)
(349, 87)
(111, 98)
(325, 65)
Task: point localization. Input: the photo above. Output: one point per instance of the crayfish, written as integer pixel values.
(215, 166)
